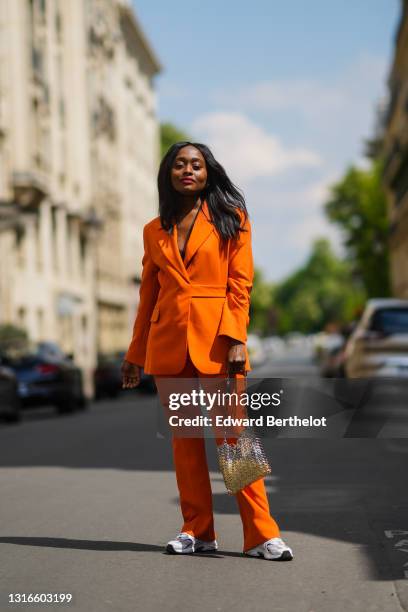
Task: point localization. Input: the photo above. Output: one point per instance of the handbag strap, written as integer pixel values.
(229, 380)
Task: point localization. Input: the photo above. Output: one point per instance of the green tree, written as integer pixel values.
(319, 293)
(358, 206)
(261, 304)
(169, 135)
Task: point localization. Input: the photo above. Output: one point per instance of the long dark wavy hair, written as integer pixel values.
(222, 196)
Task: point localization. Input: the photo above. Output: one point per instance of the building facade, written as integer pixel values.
(79, 152)
(395, 149)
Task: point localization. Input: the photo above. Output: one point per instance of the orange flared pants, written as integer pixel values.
(193, 481)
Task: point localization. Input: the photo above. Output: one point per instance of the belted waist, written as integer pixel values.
(206, 290)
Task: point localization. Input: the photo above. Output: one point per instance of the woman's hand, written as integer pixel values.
(236, 357)
(130, 375)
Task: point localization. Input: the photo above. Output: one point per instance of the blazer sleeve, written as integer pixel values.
(148, 293)
(235, 314)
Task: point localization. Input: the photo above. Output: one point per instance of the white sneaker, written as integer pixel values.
(273, 550)
(187, 544)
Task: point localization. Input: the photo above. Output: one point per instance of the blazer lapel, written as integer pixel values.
(202, 229)
(168, 245)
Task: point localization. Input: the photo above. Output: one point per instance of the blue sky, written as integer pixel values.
(284, 93)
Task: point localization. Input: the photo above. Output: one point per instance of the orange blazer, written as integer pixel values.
(200, 302)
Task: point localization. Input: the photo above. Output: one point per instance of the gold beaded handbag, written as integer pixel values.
(243, 462)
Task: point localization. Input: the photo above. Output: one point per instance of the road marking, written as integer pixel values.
(399, 545)
(389, 533)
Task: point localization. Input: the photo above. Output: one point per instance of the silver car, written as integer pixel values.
(378, 345)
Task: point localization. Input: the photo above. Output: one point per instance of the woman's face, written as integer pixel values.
(189, 171)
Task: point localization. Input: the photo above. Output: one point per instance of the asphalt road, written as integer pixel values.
(89, 500)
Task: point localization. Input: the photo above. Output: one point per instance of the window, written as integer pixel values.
(390, 321)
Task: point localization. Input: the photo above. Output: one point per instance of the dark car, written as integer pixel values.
(47, 376)
(108, 376)
(10, 403)
(146, 380)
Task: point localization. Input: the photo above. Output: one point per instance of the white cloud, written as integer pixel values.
(315, 99)
(318, 192)
(311, 227)
(286, 221)
(247, 150)
(281, 248)
(282, 242)
(292, 201)
(302, 95)
(294, 217)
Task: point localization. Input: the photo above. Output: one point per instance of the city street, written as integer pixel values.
(247, 201)
(89, 501)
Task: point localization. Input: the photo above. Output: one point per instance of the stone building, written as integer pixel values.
(79, 152)
(395, 150)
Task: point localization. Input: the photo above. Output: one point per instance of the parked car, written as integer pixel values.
(146, 380)
(10, 404)
(47, 376)
(107, 376)
(378, 345)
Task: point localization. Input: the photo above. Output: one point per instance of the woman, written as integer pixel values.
(192, 322)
